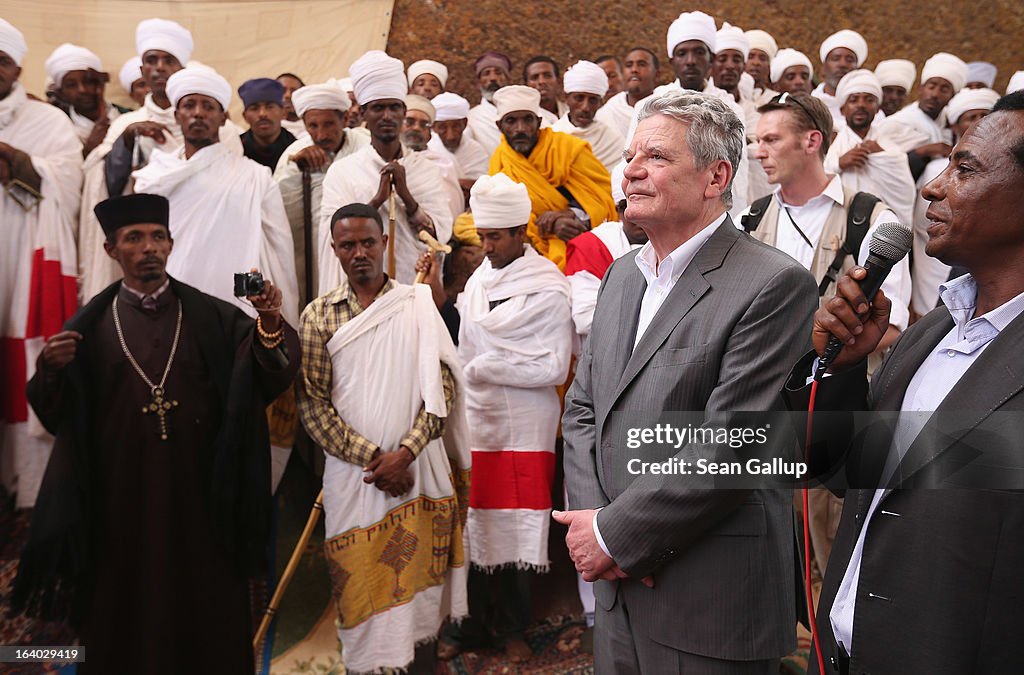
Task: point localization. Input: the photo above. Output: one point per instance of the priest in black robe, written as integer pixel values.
(155, 505)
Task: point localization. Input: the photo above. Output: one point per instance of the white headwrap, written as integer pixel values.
(850, 39)
(896, 73)
(787, 58)
(618, 175)
(12, 42)
(499, 202)
(450, 106)
(759, 39)
(421, 103)
(586, 77)
(166, 36)
(948, 67)
(970, 99)
(70, 57)
(198, 79)
(517, 97)
(860, 81)
(1016, 82)
(327, 96)
(130, 71)
(346, 84)
(981, 71)
(732, 37)
(691, 26)
(377, 76)
(438, 70)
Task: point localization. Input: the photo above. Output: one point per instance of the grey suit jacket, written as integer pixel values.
(723, 340)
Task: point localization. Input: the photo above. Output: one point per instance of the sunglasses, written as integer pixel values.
(787, 100)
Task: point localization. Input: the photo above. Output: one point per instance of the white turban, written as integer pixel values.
(198, 79)
(948, 67)
(422, 104)
(787, 58)
(346, 84)
(981, 71)
(499, 202)
(850, 39)
(12, 42)
(166, 36)
(377, 76)
(618, 175)
(759, 39)
(327, 96)
(860, 81)
(438, 70)
(70, 57)
(970, 99)
(130, 71)
(517, 97)
(691, 26)
(586, 77)
(1016, 82)
(732, 37)
(896, 73)
(450, 106)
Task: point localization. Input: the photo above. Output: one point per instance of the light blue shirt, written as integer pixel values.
(936, 377)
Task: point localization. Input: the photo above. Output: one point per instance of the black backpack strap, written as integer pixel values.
(858, 220)
(755, 213)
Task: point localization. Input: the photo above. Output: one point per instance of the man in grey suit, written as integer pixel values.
(702, 318)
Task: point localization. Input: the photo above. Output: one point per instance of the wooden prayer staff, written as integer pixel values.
(289, 571)
(434, 245)
(391, 231)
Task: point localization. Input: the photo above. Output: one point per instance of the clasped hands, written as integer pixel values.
(389, 471)
(586, 553)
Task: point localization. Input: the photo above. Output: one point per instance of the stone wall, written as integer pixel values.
(456, 31)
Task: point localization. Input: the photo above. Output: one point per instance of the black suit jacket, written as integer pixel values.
(941, 586)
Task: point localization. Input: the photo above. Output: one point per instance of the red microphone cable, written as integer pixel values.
(807, 535)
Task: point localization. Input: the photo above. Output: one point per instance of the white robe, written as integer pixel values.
(297, 128)
(585, 285)
(226, 216)
(910, 128)
(289, 181)
(926, 272)
(886, 174)
(483, 126)
(394, 601)
(84, 125)
(470, 157)
(514, 356)
(355, 179)
(37, 277)
(616, 113)
(449, 168)
(96, 268)
(606, 143)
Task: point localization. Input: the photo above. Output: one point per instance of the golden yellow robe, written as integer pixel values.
(558, 160)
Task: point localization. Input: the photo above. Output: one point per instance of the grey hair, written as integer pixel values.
(715, 132)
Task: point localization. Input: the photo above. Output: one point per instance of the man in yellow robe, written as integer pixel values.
(570, 189)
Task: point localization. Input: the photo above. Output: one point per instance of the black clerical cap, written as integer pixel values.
(118, 212)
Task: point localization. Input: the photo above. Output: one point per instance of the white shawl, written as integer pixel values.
(616, 113)
(606, 143)
(483, 126)
(910, 128)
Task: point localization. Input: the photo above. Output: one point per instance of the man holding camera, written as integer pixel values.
(155, 500)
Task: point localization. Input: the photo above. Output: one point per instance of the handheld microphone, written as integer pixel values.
(888, 246)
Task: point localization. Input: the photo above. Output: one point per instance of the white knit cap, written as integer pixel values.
(1016, 82)
(970, 99)
(70, 57)
(861, 81)
(762, 40)
(166, 36)
(585, 77)
(450, 106)
(438, 70)
(618, 175)
(691, 26)
(198, 79)
(787, 58)
(377, 76)
(948, 67)
(130, 71)
(12, 42)
(421, 103)
(327, 96)
(499, 202)
(517, 97)
(850, 39)
(732, 37)
(896, 73)
(981, 71)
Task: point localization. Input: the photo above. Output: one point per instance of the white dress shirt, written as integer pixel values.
(936, 377)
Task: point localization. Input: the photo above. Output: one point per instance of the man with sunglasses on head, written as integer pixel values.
(811, 216)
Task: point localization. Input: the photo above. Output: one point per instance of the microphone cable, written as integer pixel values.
(815, 639)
